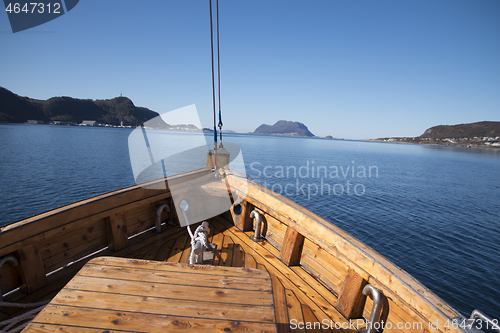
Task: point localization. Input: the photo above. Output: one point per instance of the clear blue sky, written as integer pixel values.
(351, 69)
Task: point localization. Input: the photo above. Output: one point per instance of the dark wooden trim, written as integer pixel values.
(116, 231)
(32, 270)
(243, 221)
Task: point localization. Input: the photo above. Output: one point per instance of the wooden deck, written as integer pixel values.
(318, 271)
(111, 293)
(298, 297)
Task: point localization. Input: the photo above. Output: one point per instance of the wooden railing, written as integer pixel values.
(342, 263)
(53, 239)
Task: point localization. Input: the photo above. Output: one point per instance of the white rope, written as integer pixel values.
(10, 323)
(200, 234)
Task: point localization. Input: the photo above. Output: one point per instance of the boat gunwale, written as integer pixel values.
(63, 209)
(405, 279)
(297, 218)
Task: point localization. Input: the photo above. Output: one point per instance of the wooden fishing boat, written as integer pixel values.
(121, 262)
(319, 273)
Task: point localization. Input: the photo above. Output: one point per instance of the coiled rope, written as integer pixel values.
(12, 325)
(199, 235)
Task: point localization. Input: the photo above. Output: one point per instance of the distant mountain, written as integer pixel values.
(283, 127)
(17, 109)
(480, 129)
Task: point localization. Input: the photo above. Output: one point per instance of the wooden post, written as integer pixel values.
(243, 221)
(351, 300)
(116, 231)
(32, 269)
(211, 159)
(172, 215)
(291, 249)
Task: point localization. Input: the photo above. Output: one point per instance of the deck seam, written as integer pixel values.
(204, 273)
(159, 297)
(153, 314)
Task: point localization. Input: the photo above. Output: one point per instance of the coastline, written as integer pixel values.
(437, 143)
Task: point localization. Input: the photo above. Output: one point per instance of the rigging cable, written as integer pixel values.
(213, 73)
(218, 76)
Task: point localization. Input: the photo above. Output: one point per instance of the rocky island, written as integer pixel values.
(285, 128)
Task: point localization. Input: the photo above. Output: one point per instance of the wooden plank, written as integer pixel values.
(165, 249)
(351, 300)
(226, 257)
(151, 254)
(51, 246)
(32, 269)
(144, 211)
(320, 256)
(398, 308)
(56, 247)
(137, 225)
(306, 290)
(40, 328)
(178, 249)
(172, 267)
(309, 317)
(238, 256)
(62, 248)
(74, 254)
(57, 280)
(196, 276)
(321, 274)
(195, 293)
(391, 321)
(184, 259)
(171, 215)
(117, 232)
(273, 230)
(250, 261)
(137, 322)
(218, 240)
(280, 306)
(157, 305)
(10, 278)
(143, 241)
(294, 310)
(185, 291)
(292, 247)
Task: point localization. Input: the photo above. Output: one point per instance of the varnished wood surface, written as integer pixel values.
(404, 294)
(311, 262)
(294, 293)
(69, 233)
(300, 296)
(112, 293)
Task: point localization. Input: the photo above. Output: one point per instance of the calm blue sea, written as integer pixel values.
(433, 211)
